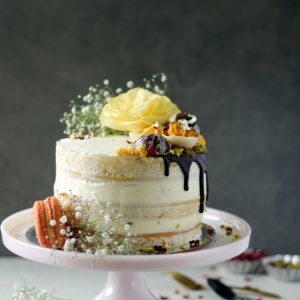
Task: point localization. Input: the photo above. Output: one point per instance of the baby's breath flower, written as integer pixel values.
(98, 252)
(62, 232)
(121, 248)
(27, 293)
(78, 215)
(107, 220)
(130, 84)
(83, 236)
(52, 223)
(106, 94)
(63, 219)
(163, 77)
(90, 239)
(82, 120)
(104, 251)
(105, 234)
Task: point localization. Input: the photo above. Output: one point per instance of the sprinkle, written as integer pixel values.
(106, 82)
(119, 90)
(52, 223)
(160, 249)
(194, 243)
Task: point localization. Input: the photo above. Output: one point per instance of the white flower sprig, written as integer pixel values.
(97, 228)
(24, 292)
(157, 83)
(82, 120)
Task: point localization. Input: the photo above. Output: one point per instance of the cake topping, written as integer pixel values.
(153, 144)
(187, 119)
(82, 120)
(137, 109)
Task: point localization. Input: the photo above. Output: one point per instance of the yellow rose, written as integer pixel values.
(137, 109)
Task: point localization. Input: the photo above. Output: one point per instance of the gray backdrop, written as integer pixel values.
(233, 63)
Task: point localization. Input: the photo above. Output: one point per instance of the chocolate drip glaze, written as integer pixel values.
(185, 166)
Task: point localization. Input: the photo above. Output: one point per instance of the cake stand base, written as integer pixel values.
(126, 286)
(125, 278)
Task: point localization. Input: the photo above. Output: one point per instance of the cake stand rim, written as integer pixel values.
(205, 256)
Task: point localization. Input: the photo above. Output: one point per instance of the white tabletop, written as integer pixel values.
(84, 284)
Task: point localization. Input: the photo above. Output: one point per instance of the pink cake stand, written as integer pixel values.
(125, 278)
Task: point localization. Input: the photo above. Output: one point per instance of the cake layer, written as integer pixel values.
(179, 240)
(144, 219)
(138, 189)
(95, 158)
(146, 191)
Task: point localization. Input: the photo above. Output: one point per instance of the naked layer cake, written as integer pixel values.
(136, 179)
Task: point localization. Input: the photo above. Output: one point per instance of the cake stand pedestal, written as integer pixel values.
(125, 278)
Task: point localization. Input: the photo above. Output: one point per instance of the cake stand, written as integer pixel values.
(125, 278)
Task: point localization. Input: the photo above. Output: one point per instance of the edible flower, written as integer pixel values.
(136, 110)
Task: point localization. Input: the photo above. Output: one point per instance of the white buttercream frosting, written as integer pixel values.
(91, 171)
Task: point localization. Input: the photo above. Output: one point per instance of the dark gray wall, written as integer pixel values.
(233, 63)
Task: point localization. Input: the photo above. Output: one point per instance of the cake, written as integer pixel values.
(143, 186)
